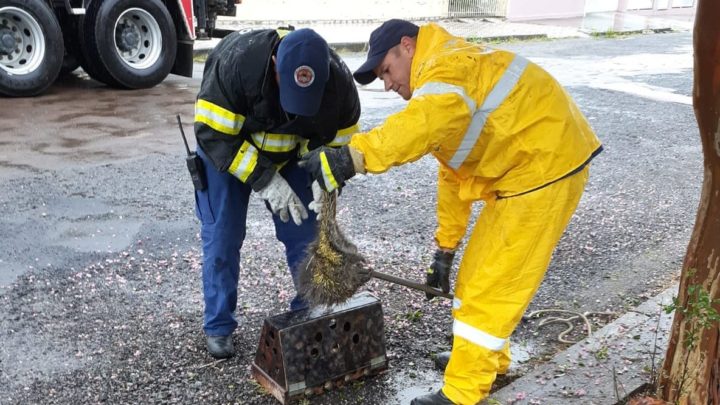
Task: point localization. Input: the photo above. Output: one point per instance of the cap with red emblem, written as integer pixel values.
(303, 65)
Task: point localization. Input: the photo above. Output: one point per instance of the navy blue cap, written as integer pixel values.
(303, 64)
(382, 39)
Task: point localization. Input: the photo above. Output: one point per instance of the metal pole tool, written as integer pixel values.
(411, 284)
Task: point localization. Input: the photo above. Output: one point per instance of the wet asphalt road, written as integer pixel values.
(99, 263)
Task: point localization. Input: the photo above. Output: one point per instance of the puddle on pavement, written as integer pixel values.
(96, 236)
(89, 225)
(423, 382)
(426, 381)
(75, 207)
(620, 73)
(9, 271)
(520, 353)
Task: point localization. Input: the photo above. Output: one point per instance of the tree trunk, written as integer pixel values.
(696, 369)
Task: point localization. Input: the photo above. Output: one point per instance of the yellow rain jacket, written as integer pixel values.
(499, 125)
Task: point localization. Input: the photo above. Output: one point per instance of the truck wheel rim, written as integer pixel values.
(22, 43)
(138, 39)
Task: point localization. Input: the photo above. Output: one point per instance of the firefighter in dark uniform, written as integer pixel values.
(267, 97)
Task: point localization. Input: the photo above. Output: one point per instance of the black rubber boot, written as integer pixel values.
(220, 347)
(436, 398)
(441, 360)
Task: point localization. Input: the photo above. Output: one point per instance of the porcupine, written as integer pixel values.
(332, 270)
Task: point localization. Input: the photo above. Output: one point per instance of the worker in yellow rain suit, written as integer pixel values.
(505, 132)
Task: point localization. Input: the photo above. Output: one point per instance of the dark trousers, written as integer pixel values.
(222, 210)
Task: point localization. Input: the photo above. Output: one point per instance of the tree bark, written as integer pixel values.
(697, 368)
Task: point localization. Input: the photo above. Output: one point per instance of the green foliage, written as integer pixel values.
(700, 314)
(507, 39)
(602, 353)
(611, 34)
(257, 387)
(414, 316)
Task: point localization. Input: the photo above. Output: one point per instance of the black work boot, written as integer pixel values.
(436, 398)
(441, 360)
(220, 347)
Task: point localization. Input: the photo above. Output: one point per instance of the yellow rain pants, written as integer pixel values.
(504, 263)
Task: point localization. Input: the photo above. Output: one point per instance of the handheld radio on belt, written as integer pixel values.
(194, 163)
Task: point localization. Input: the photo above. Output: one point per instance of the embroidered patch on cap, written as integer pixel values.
(304, 76)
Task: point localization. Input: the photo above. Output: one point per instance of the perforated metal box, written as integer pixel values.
(308, 351)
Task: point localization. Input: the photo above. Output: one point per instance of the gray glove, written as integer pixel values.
(283, 200)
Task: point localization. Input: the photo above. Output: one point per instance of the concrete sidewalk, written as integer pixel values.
(353, 35)
(616, 361)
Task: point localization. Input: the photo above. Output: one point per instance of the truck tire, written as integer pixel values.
(129, 43)
(31, 47)
(88, 55)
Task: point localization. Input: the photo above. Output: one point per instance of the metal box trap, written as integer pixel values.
(306, 352)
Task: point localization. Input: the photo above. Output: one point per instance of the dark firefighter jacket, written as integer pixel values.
(239, 122)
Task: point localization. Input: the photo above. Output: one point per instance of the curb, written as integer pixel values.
(507, 38)
(603, 34)
(201, 53)
(614, 363)
(349, 47)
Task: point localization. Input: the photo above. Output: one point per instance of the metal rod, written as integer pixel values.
(411, 284)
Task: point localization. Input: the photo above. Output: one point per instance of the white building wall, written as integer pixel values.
(330, 10)
(378, 10)
(596, 6)
(640, 4)
(518, 10)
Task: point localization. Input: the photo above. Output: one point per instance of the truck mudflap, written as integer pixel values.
(184, 59)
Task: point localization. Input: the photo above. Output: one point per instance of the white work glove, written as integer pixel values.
(318, 198)
(283, 200)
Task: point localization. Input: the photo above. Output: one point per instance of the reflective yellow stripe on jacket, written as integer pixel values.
(275, 142)
(343, 136)
(328, 177)
(244, 162)
(479, 117)
(218, 118)
(283, 31)
(496, 97)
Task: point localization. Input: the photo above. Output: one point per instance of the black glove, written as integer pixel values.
(438, 274)
(331, 167)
